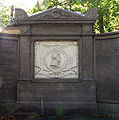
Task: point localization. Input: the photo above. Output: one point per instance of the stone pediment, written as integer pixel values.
(56, 14)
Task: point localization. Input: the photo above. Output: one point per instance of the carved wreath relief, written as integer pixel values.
(56, 59)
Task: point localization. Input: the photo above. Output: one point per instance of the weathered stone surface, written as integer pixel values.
(107, 69)
(68, 96)
(56, 92)
(8, 68)
(54, 60)
(107, 72)
(24, 57)
(95, 84)
(110, 109)
(56, 14)
(20, 14)
(56, 47)
(57, 29)
(92, 13)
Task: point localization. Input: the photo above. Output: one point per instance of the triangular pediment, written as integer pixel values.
(56, 13)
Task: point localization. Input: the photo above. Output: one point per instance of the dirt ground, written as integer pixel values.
(38, 117)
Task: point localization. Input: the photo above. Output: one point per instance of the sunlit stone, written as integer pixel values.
(56, 59)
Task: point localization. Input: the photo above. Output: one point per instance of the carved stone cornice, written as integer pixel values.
(56, 14)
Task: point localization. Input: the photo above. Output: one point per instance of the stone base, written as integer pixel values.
(7, 108)
(69, 108)
(49, 108)
(109, 109)
(73, 97)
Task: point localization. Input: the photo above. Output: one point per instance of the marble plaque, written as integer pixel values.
(56, 59)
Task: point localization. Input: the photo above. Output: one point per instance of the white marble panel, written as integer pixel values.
(56, 59)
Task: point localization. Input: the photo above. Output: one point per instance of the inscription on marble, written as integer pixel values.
(56, 59)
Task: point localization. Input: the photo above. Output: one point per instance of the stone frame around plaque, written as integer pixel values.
(78, 27)
(56, 38)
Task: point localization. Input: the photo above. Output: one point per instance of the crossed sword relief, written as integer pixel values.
(56, 74)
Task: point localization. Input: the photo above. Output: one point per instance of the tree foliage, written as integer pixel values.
(4, 15)
(108, 10)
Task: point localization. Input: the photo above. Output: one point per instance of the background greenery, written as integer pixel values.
(4, 15)
(108, 10)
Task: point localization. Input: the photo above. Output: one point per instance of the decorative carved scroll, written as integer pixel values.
(57, 13)
(20, 14)
(92, 13)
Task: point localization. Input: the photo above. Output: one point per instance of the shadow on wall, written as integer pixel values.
(1, 82)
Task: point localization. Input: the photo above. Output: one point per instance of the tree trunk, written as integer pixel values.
(101, 24)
